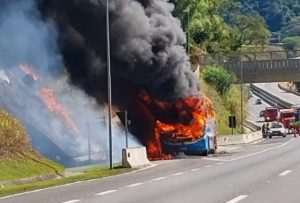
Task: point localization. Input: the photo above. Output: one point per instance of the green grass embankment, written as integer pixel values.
(88, 174)
(17, 159)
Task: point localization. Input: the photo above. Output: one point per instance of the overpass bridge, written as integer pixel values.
(258, 67)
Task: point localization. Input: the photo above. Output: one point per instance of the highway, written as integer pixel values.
(255, 172)
(267, 171)
(276, 91)
(254, 110)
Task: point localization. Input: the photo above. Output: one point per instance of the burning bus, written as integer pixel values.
(202, 146)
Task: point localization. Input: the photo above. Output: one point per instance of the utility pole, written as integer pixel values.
(187, 30)
(126, 128)
(242, 113)
(109, 86)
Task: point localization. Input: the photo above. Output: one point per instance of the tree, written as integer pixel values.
(219, 77)
(250, 29)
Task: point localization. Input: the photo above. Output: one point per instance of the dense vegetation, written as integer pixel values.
(277, 13)
(226, 100)
(219, 25)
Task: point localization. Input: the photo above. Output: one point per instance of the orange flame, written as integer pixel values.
(54, 106)
(192, 113)
(29, 70)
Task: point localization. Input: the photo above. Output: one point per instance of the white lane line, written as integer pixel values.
(135, 184)
(237, 199)
(177, 174)
(160, 178)
(195, 169)
(285, 173)
(220, 163)
(72, 201)
(208, 166)
(249, 155)
(231, 149)
(105, 192)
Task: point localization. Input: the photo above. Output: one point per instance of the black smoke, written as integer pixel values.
(146, 46)
(147, 53)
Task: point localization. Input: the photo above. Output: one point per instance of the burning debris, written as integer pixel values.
(54, 106)
(29, 71)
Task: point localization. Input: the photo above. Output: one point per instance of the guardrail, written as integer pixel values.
(269, 98)
(253, 127)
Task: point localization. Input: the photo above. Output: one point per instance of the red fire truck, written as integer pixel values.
(271, 114)
(285, 116)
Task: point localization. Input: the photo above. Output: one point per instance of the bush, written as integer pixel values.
(13, 136)
(291, 43)
(218, 77)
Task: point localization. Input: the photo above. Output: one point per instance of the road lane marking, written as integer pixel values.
(105, 192)
(220, 163)
(208, 166)
(135, 184)
(237, 199)
(285, 173)
(232, 148)
(249, 155)
(178, 174)
(195, 169)
(72, 201)
(160, 178)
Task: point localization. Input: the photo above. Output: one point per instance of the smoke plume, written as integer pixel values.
(64, 123)
(146, 45)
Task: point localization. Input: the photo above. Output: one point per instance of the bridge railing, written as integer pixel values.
(208, 59)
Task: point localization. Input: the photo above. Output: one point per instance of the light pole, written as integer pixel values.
(242, 113)
(187, 30)
(126, 128)
(109, 86)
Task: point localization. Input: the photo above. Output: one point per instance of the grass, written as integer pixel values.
(25, 166)
(222, 113)
(88, 174)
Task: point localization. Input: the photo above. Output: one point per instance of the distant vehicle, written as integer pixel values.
(286, 116)
(258, 101)
(276, 129)
(203, 146)
(262, 113)
(271, 114)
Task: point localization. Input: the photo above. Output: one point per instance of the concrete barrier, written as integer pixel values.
(135, 157)
(239, 139)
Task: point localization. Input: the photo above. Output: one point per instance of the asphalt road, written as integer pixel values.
(248, 172)
(275, 90)
(254, 110)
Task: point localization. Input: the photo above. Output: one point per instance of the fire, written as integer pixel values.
(183, 119)
(54, 106)
(29, 70)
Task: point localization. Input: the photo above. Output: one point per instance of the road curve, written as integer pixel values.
(276, 91)
(245, 173)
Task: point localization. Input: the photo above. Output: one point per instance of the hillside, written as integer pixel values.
(277, 13)
(17, 159)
